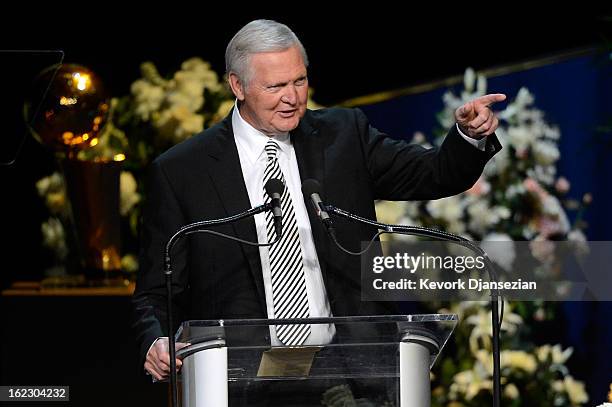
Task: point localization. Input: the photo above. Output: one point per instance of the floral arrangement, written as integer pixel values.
(158, 113)
(518, 197)
(531, 375)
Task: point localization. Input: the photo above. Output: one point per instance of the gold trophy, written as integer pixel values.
(73, 109)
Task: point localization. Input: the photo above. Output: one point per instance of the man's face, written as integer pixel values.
(275, 98)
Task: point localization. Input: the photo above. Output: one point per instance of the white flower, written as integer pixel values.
(202, 71)
(500, 248)
(469, 77)
(481, 85)
(389, 212)
(573, 388)
(129, 263)
(53, 182)
(178, 123)
(520, 138)
(552, 207)
(52, 188)
(187, 93)
(524, 98)
(511, 391)
(550, 132)
(545, 152)
(518, 359)
(517, 109)
(449, 209)
(579, 242)
(394, 213)
(456, 227)
(470, 383)
(412, 210)
(148, 98)
(514, 190)
(502, 211)
(482, 216)
(480, 337)
(543, 173)
(128, 196)
(557, 355)
(54, 237)
(542, 249)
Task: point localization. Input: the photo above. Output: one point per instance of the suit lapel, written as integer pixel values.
(226, 175)
(309, 150)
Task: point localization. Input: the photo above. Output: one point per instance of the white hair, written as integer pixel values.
(255, 37)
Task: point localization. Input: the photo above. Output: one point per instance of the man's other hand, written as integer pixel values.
(476, 119)
(157, 362)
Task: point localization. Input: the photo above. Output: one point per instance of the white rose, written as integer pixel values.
(128, 197)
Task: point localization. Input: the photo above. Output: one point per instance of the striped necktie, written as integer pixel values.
(286, 266)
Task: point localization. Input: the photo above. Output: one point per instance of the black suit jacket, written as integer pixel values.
(201, 178)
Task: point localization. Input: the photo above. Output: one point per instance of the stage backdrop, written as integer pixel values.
(575, 92)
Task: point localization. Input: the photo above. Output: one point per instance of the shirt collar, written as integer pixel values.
(252, 140)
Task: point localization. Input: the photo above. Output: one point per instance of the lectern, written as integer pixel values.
(372, 361)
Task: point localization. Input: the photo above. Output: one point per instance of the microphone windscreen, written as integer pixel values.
(274, 186)
(311, 186)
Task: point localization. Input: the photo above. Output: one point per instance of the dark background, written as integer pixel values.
(365, 49)
(351, 54)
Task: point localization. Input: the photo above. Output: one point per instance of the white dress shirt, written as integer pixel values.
(478, 143)
(251, 143)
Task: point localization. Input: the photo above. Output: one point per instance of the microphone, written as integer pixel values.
(312, 189)
(274, 188)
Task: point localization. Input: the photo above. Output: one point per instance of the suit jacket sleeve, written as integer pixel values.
(162, 217)
(403, 171)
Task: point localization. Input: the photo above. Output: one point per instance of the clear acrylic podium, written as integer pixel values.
(372, 361)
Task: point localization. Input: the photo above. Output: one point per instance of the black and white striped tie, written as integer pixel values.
(286, 266)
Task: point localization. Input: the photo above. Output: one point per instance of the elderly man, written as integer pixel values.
(271, 134)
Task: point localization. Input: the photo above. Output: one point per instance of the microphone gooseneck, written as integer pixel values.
(312, 189)
(189, 229)
(275, 188)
